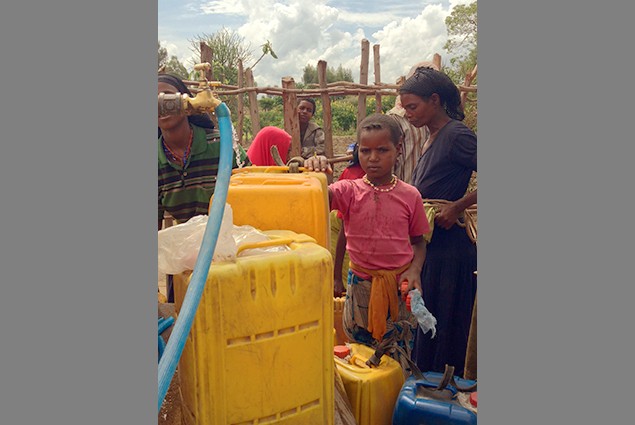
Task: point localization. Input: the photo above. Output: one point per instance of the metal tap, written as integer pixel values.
(182, 104)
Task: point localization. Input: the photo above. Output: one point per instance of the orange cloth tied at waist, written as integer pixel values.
(384, 297)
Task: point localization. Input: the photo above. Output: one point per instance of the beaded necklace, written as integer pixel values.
(177, 158)
(393, 183)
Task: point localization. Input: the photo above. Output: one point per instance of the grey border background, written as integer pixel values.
(77, 255)
(78, 228)
(555, 206)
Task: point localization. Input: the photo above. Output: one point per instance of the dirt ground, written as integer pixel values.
(340, 143)
(170, 413)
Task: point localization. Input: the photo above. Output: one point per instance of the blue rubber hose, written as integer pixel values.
(183, 324)
(161, 347)
(164, 324)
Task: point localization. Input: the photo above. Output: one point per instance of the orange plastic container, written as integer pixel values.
(261, 345)
(373, 391)
(268, 198)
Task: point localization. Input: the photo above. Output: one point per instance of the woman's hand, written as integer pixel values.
(447, 215)
(318, 163)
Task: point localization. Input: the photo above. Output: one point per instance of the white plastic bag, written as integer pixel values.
(246, 234)
(179, 245)
(426, 320)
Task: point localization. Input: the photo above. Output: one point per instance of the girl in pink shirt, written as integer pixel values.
(384, 222)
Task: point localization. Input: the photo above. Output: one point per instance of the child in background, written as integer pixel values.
(259, 151)
(311, 134)
(384, 223)
(353, 170)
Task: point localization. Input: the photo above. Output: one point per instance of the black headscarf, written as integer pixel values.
(200, 120)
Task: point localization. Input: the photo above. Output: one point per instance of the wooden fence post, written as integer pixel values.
(363, 79)
(241, 111)
(436, 59)
(207, 55)
(253, 103)
(468, 82)
(291, 122)
(377, 76)
(326, 111)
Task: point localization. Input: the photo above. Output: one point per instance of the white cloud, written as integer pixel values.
(408, 41)
(303, 32)
(224, 8)
(366, 18)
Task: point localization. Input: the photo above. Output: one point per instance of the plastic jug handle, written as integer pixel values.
(430, 390)
(280, 169)
(262, 244)
(357, 360)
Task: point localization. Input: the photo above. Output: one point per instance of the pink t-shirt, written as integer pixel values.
(352, 172)
(379, 225)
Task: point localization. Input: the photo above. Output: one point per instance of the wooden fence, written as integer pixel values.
(290, 94)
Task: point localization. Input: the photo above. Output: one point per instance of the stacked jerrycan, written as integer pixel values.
(372, 392)
(422, 401)
(261, 345)
(270, 198)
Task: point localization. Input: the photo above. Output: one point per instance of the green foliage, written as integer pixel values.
(387, 103)
(269, 103)
(310, 74)
(266, 49)
(163, 55)
(471, 116)
(344, 115)
(228, 49)
(271, 111)
(462, 25)
(274, 117)
(172, 65)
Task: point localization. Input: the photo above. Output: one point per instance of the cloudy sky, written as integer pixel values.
(302, 32)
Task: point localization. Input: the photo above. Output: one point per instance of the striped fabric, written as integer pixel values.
(185, 192)
(411, 148)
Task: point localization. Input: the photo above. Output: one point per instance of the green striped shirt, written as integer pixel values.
(185, 192)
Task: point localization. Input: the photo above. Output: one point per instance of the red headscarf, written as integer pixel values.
(259, 151)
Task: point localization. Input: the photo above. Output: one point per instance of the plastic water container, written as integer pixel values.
(268, 198)
(371, 391)
(413, 407)
(261, 345)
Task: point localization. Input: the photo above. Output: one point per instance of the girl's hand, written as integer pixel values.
(318, 163)
(413, 277)
(338, 288)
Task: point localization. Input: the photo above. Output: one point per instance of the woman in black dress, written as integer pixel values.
(442, 175)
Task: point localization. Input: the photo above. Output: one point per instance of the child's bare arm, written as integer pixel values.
(340, 248)
(413, 273)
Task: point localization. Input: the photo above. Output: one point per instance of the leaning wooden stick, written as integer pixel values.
(278, 160)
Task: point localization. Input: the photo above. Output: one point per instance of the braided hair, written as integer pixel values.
(200, 120)
(377, 121)
(425, 81)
